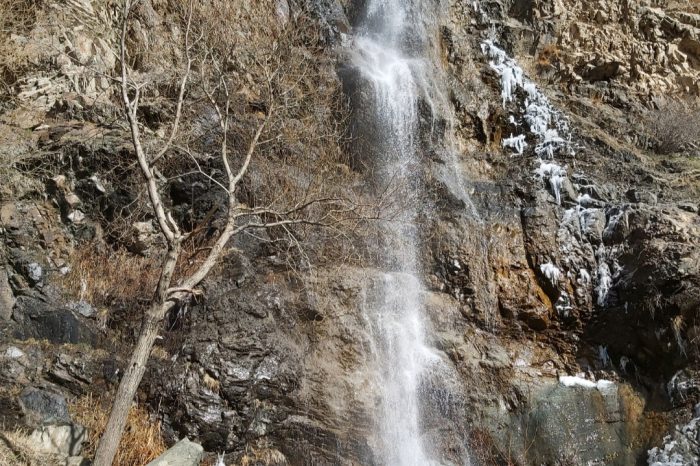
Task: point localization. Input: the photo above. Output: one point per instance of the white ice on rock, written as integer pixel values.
(553, 173)
(579, 381)
(584, 277)
(544, 121)
(516, 142)
(604, 282)
(552, 272)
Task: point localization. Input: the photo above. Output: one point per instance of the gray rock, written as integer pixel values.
(681, 447)
(593, 224)
(641, 197)
(282, 8)
(7, 298)
(13, 352)
(688, 207)
(559, 416)
(83, 308)
(65, 441)
(42, 407)
(35, 272)
(183, 453)
(37, 319)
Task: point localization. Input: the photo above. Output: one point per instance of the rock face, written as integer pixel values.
(533, 269)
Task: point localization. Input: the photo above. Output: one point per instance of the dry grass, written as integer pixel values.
(16, 18)
(105, 278)
(16, 450)
(549, 54)
(485, 451)
(141, 443)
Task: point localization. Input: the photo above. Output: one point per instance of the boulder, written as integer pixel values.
(64, 441)
(183, 453)
(42, 407)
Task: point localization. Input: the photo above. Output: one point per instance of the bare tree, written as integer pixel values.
(170, 293)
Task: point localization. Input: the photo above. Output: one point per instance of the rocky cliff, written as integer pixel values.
(560, 276)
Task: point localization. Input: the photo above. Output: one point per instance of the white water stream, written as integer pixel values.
(394, 72)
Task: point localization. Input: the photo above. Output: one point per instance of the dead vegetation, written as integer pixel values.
(485, 451)
(673, 127)
(16, 19)
(233, 103)
(107, 278)
(16, 450)
(548, 55)
(141, 443)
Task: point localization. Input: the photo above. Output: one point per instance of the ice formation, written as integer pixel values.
(551, 271)
(604, 282)
(550, 131)
(579, 381)
(555, 174)
(543, 120)
(604, 356)
(516, 142)
(584, 276)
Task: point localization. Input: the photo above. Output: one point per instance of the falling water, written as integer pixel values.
(390, 63)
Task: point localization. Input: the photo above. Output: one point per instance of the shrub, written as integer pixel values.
(549, 54)
(673, 127)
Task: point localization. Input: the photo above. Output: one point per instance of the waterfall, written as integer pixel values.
(387, 54)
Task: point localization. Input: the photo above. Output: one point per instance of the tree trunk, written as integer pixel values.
(133, 374)
(109, 443)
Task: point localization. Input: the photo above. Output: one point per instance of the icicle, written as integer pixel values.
(604, 282)
(555, 174)
(516, 142)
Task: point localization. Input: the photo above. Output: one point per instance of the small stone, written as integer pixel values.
(283, 11)
(35, 272)
(76, 461)
(76, 216)
(183, 453)
(83, 308)
(72, 200)
(14, 353)
(7, 297)
(98, 184)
